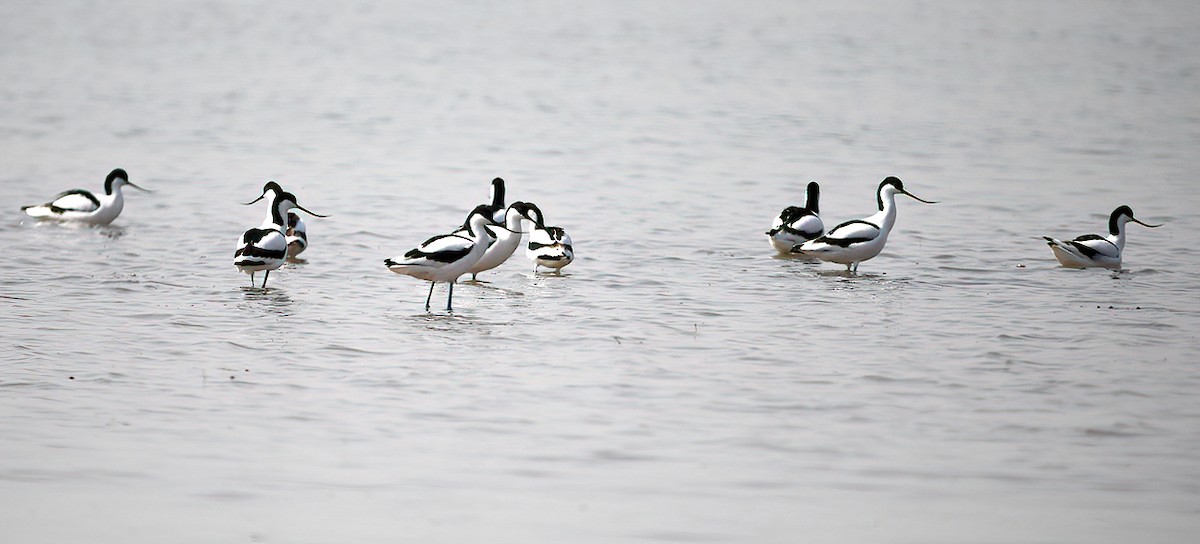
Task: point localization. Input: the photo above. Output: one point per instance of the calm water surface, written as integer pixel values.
(677, 383)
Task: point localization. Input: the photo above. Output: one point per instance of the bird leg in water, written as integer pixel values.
(450, 299)
(265, 279)
(430, 297)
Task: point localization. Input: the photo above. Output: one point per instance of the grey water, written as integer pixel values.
(678, 382)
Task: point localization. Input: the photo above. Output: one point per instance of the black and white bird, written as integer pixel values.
(265, 248)
(497, 204)
(548, 246)
(505, 238)
(798, 224)
(297, 235)
(1093, 250)
(78, 205)
(445, 257)
(856, 241)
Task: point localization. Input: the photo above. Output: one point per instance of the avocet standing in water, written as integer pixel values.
(445, 257)
(1094, 250)
(265, 248)
(856, 241)
(798, 224)
(548, 246)
(297, 235)
(505, 238)
(82, 206)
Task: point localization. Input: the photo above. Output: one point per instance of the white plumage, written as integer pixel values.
(265, 248)
(861, 239)
(1093, 250)
(497, 204)
(550, 247)
(505, 238)
(297, 235)
(79, 205)
(798, 224)
(445, 257)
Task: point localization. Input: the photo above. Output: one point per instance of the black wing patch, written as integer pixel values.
(445, 256)
(1087, 250)
(85, 194)
(254, 236)
(846, 242)
(790, 215)
(436, 238)
(843, 242)
(255, 251)
(793, 213)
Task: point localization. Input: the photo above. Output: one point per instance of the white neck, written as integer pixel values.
(886, 217)
(271, 222)
(478, 222)
(115, 199)
(1118, 239)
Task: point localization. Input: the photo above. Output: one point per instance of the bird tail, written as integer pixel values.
(38, 210)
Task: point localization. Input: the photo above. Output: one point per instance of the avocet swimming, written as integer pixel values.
(856, 241)
(265, 248)
(79, 205)
(798, 224)
(445, 257)
(1093, 250)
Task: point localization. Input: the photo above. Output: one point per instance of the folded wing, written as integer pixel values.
(850, 232)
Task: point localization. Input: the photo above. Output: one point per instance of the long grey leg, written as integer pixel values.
(265, 279)
(428, 298)
(450, 299)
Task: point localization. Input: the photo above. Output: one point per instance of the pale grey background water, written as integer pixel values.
(678, 384)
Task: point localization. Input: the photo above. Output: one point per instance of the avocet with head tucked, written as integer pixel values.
(445, 257)
(548, 246)
(856, 241)
(82, 206)
(505, 238)
(265, 247)
(1093, 250)
(798, 224)
(297, 235)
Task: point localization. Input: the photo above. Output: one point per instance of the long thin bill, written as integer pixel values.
(306, 210)
(919, 198)
(255, 200)
(1135, 220)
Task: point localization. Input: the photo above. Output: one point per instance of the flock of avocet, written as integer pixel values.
(798, 230)
(492, 233)
(488, 237)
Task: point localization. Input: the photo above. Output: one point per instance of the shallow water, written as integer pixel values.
(677, 383)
